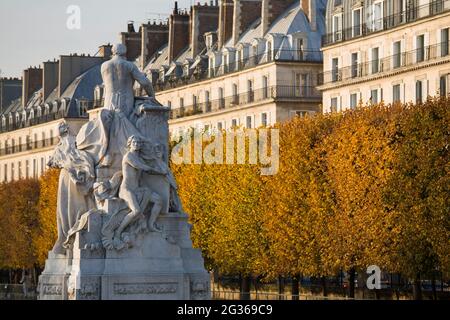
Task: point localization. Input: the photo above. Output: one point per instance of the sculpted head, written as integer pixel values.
(134, 143)
(119, 50)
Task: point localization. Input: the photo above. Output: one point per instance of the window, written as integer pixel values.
(234, 123)
(219, 126)
(194, 101)
(169, 104)
(354, 64)
(251, 95)
(20, 144)
(248, 122)
(35, 169)
(13, 145)
(377, 14)
(357, 22)
(35, 141)
(334, 105)
(300, 49)
(43, 140)
(12, 172)
(207, 102)
(51, 137)
(396, 93)
(235, 94)
(375, 60)
(42, 166)
(5, 172)
(419, 90)
(265, 87)
(335, 69)
(444, 42)
(264, 122)
(20, 170)
(420, 48)
(374, 96)
(221, 99)
(269, 51)
(27, 169)
(397, 54)
(337, 27)
(443, 86)
(353, 100)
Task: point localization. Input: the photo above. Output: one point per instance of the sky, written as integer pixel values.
(35, 31)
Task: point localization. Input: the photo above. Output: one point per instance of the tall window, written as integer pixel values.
(444, 42)
(221, 99)
(420, 48)
(337, 27)
(334, 105)
(35, 169)
(354, 64)
(397, 58)
(43, 140)
(235, 94)
(234, 123)
(377, 14)
(27, 169)
(5, 172)
(374, 96)
(42, 165)
(335, 69)
(443, 85)
(251, 94)
(375, 60)
(419, 91)
(207, 102)
(396, 93)
(265, 81)
(249, 122)
(353, 100)
(357, 22)
(264, 122)
(35, 141)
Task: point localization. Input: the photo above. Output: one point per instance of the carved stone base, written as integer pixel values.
(53, 280)
(159, 266)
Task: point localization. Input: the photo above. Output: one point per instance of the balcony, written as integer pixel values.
(237, 66)
(388, 64)
(412, 13)
(32, 145)
(274, 93)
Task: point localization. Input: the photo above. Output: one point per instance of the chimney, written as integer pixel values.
(226, 12)
(153, 36)
(70, 67)
(32, 82)
(309, 7)
(204, 19)
(245, 13)
(179, 32)
(271, 10)
(105, 51)
(10, 90)
(50, 76)
(132, 40)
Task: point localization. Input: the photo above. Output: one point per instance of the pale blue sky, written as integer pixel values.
(32, 31)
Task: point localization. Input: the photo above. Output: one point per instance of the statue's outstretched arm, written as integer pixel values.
(142, 79)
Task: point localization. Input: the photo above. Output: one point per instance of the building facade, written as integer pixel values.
(59, 90)
(247, 63)
(385, 50)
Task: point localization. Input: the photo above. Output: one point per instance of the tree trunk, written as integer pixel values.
(245, 288)
(280, 288)
(351, 284)
(324, 286)
(433, 286)
(295, 288)
(417, 289)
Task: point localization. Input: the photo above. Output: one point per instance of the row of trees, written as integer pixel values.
(365, 187)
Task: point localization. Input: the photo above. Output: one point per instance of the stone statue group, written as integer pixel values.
(117, 165)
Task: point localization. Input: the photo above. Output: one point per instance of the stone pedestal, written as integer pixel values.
(159, 266)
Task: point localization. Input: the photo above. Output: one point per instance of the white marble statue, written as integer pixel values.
(133, 165)
(74, 190)
(122, 232)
